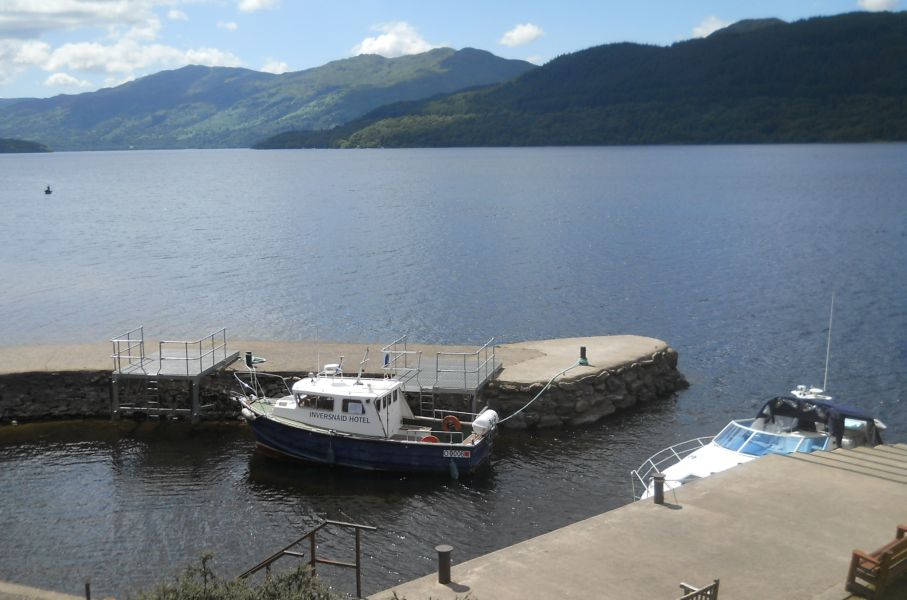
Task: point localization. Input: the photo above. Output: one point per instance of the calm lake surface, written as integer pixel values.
(730, 254)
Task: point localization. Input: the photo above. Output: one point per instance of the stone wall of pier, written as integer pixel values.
(569, 401)
(579, 401)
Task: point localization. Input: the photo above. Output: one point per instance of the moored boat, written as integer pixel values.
(804, 421)
(361, 422)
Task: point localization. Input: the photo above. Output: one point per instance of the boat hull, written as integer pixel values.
(323, 447)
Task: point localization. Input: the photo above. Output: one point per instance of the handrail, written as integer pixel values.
(255, 387)
(313, 559)
(119, 353)
(200, 355)
(393, 356)
(481, 365)
(663, 459)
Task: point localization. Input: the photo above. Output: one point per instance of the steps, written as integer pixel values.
(888, 462)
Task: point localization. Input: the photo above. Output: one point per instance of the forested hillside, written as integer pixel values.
(829, 79)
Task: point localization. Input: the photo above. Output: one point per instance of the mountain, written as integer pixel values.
(9, 146)
(205, 107)
(827, 79)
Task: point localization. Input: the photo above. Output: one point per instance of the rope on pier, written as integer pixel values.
(542, 391)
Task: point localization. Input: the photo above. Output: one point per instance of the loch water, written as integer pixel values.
(731, 254)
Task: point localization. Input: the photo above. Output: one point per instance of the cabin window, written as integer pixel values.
(324, 403)
(353, 406)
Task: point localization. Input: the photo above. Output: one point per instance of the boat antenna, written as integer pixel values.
(361, 364)
(831, 314)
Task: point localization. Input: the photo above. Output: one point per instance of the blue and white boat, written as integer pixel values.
(361, 422)
(805, 421)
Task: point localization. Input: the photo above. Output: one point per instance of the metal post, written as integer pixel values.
(444, 562)
(358, 570)
(114, 398)
(312, 553)
(87, 589)
(658, 480)
(582, 356)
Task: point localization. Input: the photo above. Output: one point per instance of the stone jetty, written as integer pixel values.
(74, 381)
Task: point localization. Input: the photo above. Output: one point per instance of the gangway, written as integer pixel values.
(448, 373)
(175, 360)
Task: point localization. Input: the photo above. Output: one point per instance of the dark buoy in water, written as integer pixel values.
(48, 191)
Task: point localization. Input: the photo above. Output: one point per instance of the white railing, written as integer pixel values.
(206, 352)
(484, 364)
(129, 348)
(661, 460)
(401, 363)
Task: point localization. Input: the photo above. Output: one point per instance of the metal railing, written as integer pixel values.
(259, 385)
(484, 366)
(400, 362)
(313, 558)
(662, 460)
(124, 347)
(207, 351)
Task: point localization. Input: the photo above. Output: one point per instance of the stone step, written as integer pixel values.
(858, 462)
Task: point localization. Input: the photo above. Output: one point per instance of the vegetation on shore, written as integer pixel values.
(826, 79)
(199, 582)
(12, 146)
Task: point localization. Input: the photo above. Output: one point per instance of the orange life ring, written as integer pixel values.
(450, 422)
(430, 439)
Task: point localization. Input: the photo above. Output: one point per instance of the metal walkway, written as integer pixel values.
(446, 373)
(174, 361)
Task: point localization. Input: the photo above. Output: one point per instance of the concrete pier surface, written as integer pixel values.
(780, 527)
(13, 591)
(524, 362)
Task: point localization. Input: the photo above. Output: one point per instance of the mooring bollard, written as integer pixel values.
(658, 481)
(444, 562)
(87, 589)
(582, 356)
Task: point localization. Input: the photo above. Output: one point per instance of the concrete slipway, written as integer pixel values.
(777, 528)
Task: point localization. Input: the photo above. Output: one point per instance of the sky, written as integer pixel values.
(50, 47)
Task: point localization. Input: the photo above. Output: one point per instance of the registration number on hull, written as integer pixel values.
(457, 454)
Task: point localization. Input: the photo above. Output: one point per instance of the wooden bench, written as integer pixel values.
(709, 592)
(870, 574)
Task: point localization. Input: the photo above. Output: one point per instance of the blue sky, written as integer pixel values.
(49, 47)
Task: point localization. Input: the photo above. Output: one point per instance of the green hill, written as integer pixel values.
(829, 79)
(204, 107)
(9, 146)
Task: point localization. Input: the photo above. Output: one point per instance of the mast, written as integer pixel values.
(831, 314)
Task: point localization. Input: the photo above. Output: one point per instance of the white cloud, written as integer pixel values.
(32, 53)
(118, 40)
(30, 19)
(396, 39)
(126, 56)
(535, 59)
(708, 26)
(228, 25)
(65, 80)
(255, 5)
(877, 5)
(275, 66)
(521, 34)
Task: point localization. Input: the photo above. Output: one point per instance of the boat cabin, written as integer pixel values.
(818, 417)
(367, 407)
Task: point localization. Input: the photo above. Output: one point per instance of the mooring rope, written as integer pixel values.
(542, 391)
